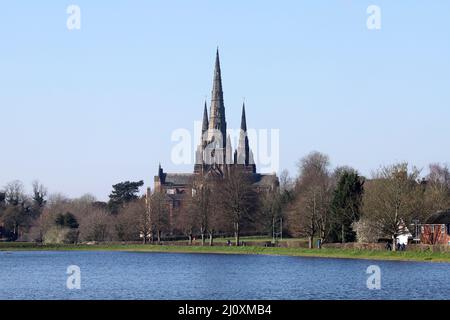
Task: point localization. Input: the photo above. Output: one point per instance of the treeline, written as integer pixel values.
(342, 206)
(55, 218)
(320, 203)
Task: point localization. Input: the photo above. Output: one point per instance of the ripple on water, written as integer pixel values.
(126, 275)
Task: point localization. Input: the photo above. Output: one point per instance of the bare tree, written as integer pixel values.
(270, 211)
(185, 221)
(17, 217)
(216, 219)
(310, 213)
(96, 226)
(286, 182)
(56, 204)
(159, 214)
(437, 192)
(14, 218)
(201, 206)
(39, 194)
(125, 226)
(238, 199)
(393, 199)
(141, 211)
(439, 174)
(15, 193)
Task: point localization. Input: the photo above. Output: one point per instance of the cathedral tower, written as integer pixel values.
(215, 153)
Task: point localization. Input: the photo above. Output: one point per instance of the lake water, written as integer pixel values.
(123, 275)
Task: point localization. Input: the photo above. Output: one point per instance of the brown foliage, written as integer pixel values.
(393, 199)
(239, 200)
(309, 212)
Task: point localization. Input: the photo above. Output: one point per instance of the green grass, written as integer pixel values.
(300, 252)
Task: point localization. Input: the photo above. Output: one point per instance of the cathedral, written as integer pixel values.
(214, 155)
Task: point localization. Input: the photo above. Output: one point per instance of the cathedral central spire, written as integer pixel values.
(217, 119)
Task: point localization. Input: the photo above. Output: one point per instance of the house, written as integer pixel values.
(436, 229)
(405, 235)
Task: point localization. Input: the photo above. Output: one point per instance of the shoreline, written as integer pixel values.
(332, 253)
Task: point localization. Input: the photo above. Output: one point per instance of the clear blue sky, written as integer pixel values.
(82, 110)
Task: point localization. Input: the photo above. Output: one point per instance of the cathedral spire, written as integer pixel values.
(243, 154)
(243, 119)
(217, 84)
(217, 119)
(205, 124)
(199, 152)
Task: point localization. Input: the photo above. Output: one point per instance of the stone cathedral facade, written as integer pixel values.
(214, 155)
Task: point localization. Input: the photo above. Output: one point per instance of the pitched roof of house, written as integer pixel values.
(441, 217)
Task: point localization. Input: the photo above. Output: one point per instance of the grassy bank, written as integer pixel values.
(300, 252)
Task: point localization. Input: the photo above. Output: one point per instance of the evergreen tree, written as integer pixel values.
(123, 193)
(346, 205)
(66, 220)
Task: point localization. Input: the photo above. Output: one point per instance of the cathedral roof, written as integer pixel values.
(183, 179)
(264, 179)
(176, 196)
(179, 178)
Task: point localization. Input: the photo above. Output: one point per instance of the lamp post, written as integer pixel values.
(416, 229)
